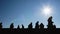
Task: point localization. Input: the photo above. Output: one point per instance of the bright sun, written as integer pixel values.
(47, 10)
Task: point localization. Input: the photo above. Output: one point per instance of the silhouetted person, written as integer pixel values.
(50, 24)
(0, 25)
(22, 26)
(37, 25)
(30, 26)
(54, 27)
(18, 27)
(11, 26)
(41, 26)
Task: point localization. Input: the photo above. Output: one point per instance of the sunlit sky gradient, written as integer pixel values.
(26, 11)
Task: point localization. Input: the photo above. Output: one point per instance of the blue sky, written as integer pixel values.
(26, 11)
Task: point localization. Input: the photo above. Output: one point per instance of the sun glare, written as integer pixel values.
(47, 10)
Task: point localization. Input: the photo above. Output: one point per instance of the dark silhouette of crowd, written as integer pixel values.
(38, 27)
